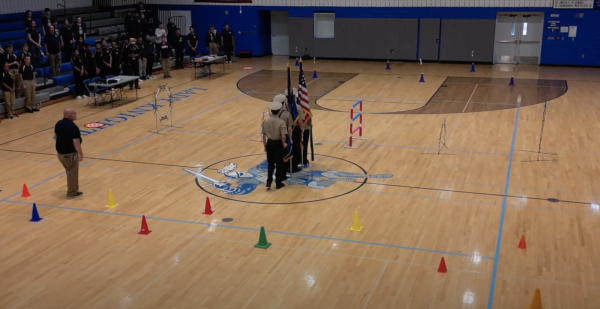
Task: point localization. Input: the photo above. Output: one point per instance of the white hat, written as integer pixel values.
(279, 98)
(275, 106)
(293, 91)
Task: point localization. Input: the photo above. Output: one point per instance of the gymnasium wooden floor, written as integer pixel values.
(470, 204)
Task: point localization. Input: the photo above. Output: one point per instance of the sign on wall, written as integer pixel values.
(573, 4)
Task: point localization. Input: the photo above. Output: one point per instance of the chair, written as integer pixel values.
(97, 94)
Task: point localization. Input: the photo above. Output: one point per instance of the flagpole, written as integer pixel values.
(312, 147)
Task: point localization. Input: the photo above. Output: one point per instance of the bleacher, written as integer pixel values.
(99, 25)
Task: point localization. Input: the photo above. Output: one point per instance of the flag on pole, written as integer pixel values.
(304, 103)
(291, 101)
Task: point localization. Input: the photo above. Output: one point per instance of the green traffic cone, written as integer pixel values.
(262, 239)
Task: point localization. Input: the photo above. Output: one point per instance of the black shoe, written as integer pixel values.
(78, 194)
(296, 170)
(280, 185)
(29, 110)
(36, 110)
(269, 184)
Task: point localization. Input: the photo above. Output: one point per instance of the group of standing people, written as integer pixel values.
(279, 128)
(18, 76)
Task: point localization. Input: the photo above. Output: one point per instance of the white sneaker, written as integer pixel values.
(139, 80)
(84, 96)
(79, 97)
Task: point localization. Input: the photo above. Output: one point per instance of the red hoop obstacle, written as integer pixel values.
(353, 118)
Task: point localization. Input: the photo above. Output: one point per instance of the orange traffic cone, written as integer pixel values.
(207, 209)
(536, 302)
(442, 267)
(25, 192)
(522, 244)
(144, 230)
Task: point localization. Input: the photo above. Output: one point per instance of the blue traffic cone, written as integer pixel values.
(35, 216)
(512, 81)
(315, 74)
(297, 64)
(472, 67)
(422, 80)
(387, 67)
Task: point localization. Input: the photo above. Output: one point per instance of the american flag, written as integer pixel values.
(304, 103)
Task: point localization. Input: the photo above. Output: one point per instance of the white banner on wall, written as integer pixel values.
(573, 4)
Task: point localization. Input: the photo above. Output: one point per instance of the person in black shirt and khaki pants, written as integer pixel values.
(52, 43)
(28, 81)
(68, 147)
(8, 89)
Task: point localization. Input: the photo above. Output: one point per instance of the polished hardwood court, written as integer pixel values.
(469, 203)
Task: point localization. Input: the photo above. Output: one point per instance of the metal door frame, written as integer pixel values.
(518, 20)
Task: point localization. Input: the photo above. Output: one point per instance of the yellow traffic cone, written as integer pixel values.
(536, 302)
(356, 223)
(111, 200)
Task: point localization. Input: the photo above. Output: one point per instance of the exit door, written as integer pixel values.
(518, 38)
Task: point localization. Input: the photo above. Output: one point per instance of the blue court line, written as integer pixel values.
(256, 230)
(502, 214)
(339, 142)
(127, 145)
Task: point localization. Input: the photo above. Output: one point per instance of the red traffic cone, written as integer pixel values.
(207, 209)
(25, 192)
(522, 244)
(144, 230)
(442, 267)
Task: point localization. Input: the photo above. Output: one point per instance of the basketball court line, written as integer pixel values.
(369, 101)
(266, 92)
(132, 143)
(589, 213)
(503, 212)
(104, 159)
(213, 237)
(375, 285)
(344, 142)
(369, 183)
(100, 111)
(461, 116)
(253, 229)
(492, 103)
(593, 213)
(503, 85)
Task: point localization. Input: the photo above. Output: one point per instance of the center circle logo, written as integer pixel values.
(94, 125)
(243, 179)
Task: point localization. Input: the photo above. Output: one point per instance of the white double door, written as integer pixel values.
(518, 38)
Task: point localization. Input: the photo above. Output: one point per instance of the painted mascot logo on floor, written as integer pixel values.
(246, 182)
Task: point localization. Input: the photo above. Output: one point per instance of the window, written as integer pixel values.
(514, 25)
(324, 25)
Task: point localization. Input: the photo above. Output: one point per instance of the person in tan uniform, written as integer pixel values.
(27, 76)
(273, 136)
(8, 89)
